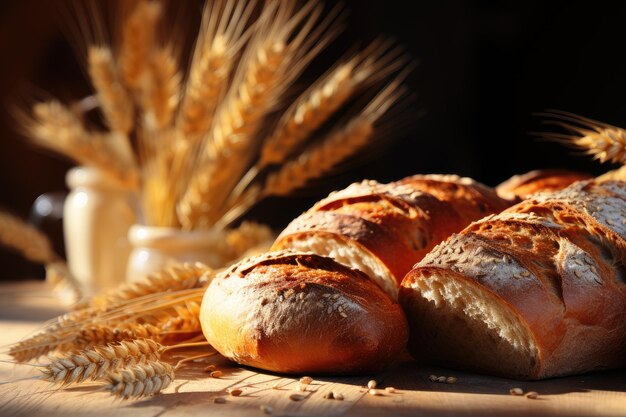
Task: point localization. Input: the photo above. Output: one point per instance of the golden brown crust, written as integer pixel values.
(520, 187)
(559, 262)
(296, 312)
(398, 222)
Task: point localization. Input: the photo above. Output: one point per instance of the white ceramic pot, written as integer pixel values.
(156, 248)
(97, 214)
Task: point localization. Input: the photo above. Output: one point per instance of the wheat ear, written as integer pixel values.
(140, 380)
(323, 156)
(56, 127)
(94, 364)
(277, 54)
(98, 334)
(604, 142)
(315, 106)
(115, 100)
(186, 318)
(176, 278)
(25, 239)
(160, 96)
(138, 40)
(219, 41)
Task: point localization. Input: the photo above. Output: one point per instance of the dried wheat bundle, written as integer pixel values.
(604, 142)
(205, 132)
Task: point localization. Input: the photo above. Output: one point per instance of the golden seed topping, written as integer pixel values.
(532, 395)
(371, 384)
(266, 409)
(338, 396)
(300, 387)
(374, 392)
(326, 295)
(344, 315)
(516, 391)
(306, 380)
(235, 392)
(441, 379)
(329, 396)
(296, 397)
(390, 390)
(433, 378)
(451, 380)
(209, 368)
(216, 374)
(219, 400)
(525, 273)
(335, 296)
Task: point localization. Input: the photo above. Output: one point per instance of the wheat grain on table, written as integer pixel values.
(25, 306)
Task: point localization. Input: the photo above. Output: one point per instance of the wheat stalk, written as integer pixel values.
(180, 277)
(160, 96)
(94, 364)
(320, 101)
(25, 239)
(34, 347)
(186, 318)
(604, 142)
(99, 334)
(115, 101)
(323, 156)
(138, 40)
(56, 127)
(267, 70)
(140, 380)
(219, 42)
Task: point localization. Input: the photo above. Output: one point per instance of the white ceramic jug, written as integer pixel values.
(156, 248)
(97, 215)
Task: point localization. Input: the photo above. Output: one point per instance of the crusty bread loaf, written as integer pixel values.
(520, 187)
(534, 292)
(297, 312)
(384, 229)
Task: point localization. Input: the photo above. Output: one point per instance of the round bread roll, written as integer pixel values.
(520, 187)
(297, 312)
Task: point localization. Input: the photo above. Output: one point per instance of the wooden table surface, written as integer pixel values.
(24, 307)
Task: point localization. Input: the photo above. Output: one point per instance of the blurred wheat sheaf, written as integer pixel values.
(205, 138)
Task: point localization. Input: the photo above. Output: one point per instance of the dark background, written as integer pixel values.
(484, 68)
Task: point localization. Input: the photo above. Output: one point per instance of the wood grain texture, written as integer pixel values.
(193, 392)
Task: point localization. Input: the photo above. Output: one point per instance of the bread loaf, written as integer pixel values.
(520, 187)
(297, 312)
(537, 291)
(384, 229)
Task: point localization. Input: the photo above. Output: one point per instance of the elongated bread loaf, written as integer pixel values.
(520, 187)
(297, 312)
(534, 292)
(384, 229)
